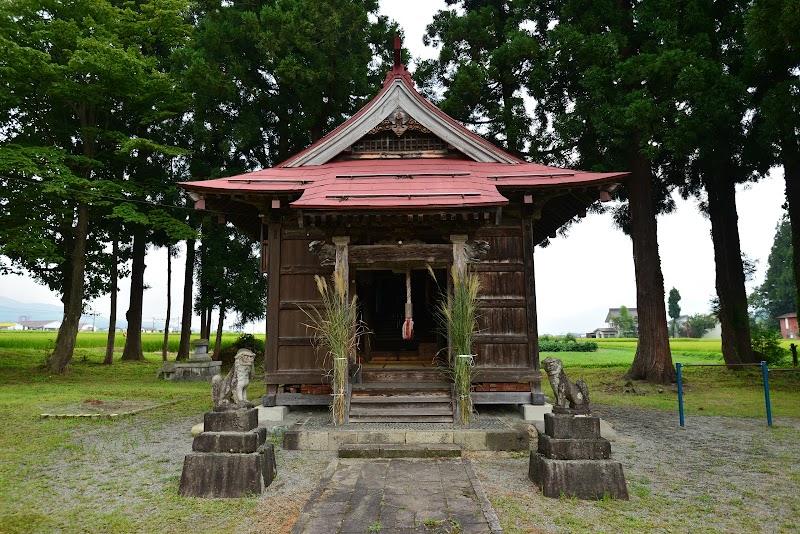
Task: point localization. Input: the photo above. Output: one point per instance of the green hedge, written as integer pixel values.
(551, 345)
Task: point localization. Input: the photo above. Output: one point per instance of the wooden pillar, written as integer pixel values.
(459, 254)
(273, 303)
(530, 305)
(341, 242)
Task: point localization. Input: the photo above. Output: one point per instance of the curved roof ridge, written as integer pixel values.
(399, 91)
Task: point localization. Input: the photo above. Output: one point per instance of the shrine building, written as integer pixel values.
(397, 192)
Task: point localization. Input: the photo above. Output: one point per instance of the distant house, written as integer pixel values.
(40, 325)
(10, 326)
(600, 333)
(788, 325)
(611, 315)
(86, 327)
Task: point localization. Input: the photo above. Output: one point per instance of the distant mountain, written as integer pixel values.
(11, 310)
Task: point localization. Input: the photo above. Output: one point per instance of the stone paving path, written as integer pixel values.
(398, 495)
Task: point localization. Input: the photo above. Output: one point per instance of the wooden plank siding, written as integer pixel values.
(295, 360)
(503, 347)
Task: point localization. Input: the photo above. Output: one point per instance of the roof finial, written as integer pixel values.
(397, 50)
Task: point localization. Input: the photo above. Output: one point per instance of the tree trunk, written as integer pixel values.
(735, 323)
(186, 318)
(58, 362)
(791, 171)
(203, 333)
(112, 319)
(209, 313)
(653, 359)
(169, 304)
(133, 343)
(218, 342)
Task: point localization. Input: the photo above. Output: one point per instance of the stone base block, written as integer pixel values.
(531, 412)
(191, 371)
(228, 475)
(564, 426)
(583, 479)
(574, 449)
(272, 413)
(232, 442)
(242, 420)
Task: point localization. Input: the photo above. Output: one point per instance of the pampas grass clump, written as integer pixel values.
(336, 327)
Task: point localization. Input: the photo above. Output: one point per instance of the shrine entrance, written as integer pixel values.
(383, 294)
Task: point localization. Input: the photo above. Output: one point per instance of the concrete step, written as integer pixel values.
(399, 451)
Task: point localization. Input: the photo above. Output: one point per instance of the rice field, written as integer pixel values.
(151, 342)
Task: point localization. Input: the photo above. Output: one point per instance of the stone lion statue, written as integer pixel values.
(233, 389)
(568, 395)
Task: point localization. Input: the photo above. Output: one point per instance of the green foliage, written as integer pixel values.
(268, 78)
(778, 294)
(244, 341)
(766, 343)
(483, 73)
(674, 308)
(230, 276)
(698, 324)
(548, 345)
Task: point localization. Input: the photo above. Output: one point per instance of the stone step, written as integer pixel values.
(354, 418)
(391, 398)
(399, 451)
(407, 386)
(429, 409)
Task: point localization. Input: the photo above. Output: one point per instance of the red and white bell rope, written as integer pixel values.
(408, 324)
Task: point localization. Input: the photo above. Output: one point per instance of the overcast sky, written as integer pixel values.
(578, 277)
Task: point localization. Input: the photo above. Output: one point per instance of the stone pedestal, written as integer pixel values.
(573, 460)
(199, 367)
(230, 458)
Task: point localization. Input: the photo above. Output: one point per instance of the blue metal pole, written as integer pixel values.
(680, 391)
(765, 372)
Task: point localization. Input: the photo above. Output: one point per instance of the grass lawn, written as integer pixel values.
(707, 390)
(30, 446)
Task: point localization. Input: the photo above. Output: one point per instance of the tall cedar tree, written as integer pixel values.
(773, 30)
(778, 294)
(186, 307)
(608, 69)
(711, 137)
(674, 309)
(72, 72)
(484, 72)
(270, 77)
(230, 271)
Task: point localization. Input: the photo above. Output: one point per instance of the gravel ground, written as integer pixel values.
(716, 474)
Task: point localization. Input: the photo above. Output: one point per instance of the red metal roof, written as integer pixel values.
(402, 183)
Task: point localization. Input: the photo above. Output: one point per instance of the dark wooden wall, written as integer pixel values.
(504, 349)
(291, 356)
